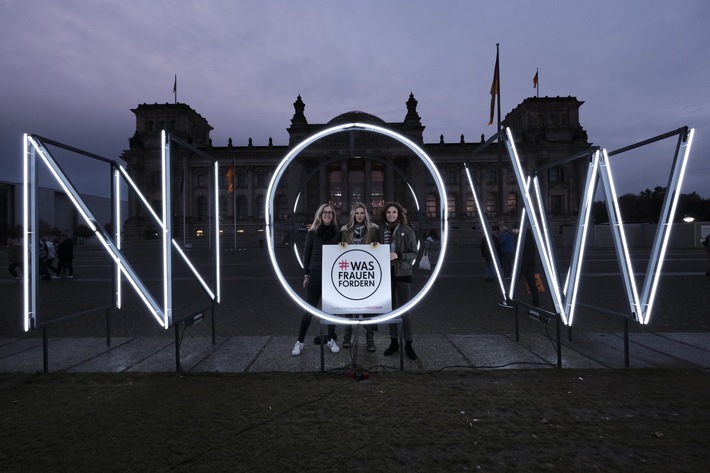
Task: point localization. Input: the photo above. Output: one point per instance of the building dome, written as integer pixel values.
(356, 116)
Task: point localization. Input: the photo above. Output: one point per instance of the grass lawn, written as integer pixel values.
(503, 420)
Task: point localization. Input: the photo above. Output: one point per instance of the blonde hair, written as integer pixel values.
(317, 221)
(368, 225)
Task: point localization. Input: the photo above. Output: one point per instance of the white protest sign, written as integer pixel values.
(356, 279)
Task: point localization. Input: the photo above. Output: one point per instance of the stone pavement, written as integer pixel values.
(243, 354)
(457, 326)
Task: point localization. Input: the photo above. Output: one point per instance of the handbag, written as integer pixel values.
(538, 283)
(424, 262)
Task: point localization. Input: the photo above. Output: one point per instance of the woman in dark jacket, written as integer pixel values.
(323, 231)
(395, 233)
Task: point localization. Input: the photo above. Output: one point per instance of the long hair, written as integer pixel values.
(401, 211)
(351, 221)
(368, 225)
(317, 221)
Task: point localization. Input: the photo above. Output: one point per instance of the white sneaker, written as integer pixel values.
(333, 346)
(297, 348)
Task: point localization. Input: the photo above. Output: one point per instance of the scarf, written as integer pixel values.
(327, 232)
(357, 233)
(390, 228)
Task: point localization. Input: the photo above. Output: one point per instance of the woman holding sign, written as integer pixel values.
(323, 231)
(403, 251)
(359, 231)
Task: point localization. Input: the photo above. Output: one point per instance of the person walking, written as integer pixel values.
(706, 244)
(490, 271)
(323, 231)
(42, 265)
(507, 251)
(359, 231)
(432, 248)
(395, 233)
(14, 258)
(65, 253)
(527, 267)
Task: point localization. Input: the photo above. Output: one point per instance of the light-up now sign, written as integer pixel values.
(33, 147)
(564, 289)
(270, 219)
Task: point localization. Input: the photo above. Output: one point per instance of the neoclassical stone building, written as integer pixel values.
(349, 167)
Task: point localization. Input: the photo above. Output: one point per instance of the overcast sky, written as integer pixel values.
(71, 70)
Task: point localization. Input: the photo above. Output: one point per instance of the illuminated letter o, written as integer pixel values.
(269, 216)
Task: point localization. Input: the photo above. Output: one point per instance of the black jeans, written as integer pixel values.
(313, 295)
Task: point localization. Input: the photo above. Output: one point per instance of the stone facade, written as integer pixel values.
(348, 167)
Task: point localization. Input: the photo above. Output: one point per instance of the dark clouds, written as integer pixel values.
(72, 70)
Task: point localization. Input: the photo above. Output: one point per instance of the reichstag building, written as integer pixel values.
(353, 166)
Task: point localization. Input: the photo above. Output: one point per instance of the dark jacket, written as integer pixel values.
(313, 248)
(405, 245)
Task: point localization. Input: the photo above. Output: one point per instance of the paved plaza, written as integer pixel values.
(458, 325)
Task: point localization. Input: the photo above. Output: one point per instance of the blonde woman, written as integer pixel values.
(323, 231)
(359, 231)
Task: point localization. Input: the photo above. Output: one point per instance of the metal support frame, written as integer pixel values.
(400, 340)
(564, 292)
(34, 148)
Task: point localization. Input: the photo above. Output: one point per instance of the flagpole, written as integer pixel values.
(537, 81)
(234, 200)
(500, 144)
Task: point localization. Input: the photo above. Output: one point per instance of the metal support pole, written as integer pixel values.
(177, 348)
(214, 337)
(45, 351)
(559, 343)
(517, 324)
(626, 343)
(108, 327)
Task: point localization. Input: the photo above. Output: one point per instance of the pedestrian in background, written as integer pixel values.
(432, 247)
(706, 244)
(490, 271)
(507, 251)
(65, 253)
(14, 258)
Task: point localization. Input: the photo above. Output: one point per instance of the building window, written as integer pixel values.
(556, 174)
(431, 206)
(474, 175)
(377, 188)
(470, 205)
(241, 178)
(356, 184)
(491, 204)
(512, 204)
(493, 175)
(154, 181)
(452, 175)
(241, 208)
(201, 180)
(260, 202)
(556, 203)
(451, 204)
(260, 178)
(203, 210)
(282, 208)
(335, 194)
(222, 207)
